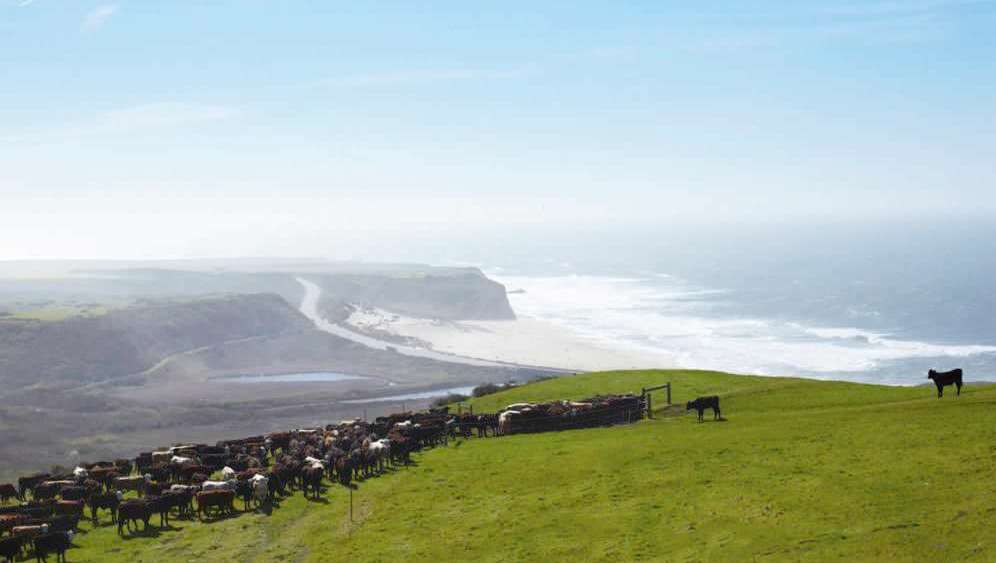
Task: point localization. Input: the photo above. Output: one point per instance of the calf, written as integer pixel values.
(55, 542)
(703, 403)
(944, 378)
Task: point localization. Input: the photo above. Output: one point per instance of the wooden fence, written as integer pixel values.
(623, 411)
(646, 394)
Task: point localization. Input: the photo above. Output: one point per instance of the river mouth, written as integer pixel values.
(308, 377)
(413, 396)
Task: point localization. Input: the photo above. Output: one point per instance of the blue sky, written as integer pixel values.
(154, 128)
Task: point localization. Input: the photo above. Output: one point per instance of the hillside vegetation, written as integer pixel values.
(130, 340)
(800, 470)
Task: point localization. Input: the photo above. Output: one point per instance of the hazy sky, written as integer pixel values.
(159, 128)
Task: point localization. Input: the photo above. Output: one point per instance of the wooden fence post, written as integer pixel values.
(650, 406)
(668, 393)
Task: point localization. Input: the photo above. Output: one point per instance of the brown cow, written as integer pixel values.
(27, 533)
(105, 476)
(136, 483)
(136, 511)
(8, 521)
(187, 472)
(224, 501)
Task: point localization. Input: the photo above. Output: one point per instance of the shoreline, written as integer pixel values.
(520, 342)
(474, 357)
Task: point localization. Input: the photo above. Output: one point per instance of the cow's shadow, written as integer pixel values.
(150, 532)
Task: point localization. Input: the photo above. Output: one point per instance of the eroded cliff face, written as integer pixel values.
(448, 294)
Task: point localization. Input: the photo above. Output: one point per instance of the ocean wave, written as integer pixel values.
(663, 314)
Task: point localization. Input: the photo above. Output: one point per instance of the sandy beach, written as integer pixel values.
(523, 341)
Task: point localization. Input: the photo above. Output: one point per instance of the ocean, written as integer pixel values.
(878, 303)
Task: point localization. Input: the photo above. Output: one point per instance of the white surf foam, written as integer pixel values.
(662, 314)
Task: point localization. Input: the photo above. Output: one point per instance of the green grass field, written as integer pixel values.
(800, 470)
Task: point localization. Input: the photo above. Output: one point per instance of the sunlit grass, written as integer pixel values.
(799, 470)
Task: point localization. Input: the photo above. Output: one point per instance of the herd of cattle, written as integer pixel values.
(177, 481)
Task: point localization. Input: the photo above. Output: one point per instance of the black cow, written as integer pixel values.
(8, 492)
(10, 548)
(105, 501)
(133, 511)
(57, 543)
(73, 493)
(703, 403)
(312, 480)
(945, 378)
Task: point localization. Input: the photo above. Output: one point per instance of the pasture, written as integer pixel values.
(800, 470)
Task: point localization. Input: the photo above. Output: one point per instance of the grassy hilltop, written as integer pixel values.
(800, 470)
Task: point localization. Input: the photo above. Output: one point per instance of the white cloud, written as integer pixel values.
(97, 17)
(134, 119)
(419, 76)
(160, 115)
(24, 3)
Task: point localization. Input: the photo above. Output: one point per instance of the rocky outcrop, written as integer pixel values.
(448, 294)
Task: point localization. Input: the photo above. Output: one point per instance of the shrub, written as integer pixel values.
(487, 389)
(448, 399)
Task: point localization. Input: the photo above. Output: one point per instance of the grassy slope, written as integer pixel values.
(801, 470)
